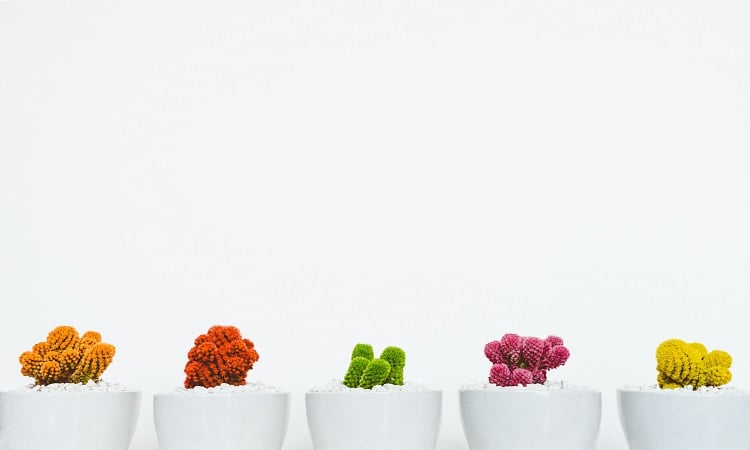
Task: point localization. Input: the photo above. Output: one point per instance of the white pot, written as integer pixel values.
(515, 419)
(31, 420)
(221, 421)
(374, 420)
(684, 420)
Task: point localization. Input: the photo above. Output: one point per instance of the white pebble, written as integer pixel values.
(687, 389)
(91, 386)
(229, 389)
(338, 386)
(547, 386)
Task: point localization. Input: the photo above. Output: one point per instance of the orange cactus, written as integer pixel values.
(220, 356)
(67, 358)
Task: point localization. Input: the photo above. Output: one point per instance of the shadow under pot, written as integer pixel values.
(33, 420)
(221, 421)
(401, 420)
(525, 419)
(684, 419)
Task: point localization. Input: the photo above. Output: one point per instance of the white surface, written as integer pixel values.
(370, 421)
(68, 421)
(230, 421)
(684, 420)
(427, 174)
(512, 419)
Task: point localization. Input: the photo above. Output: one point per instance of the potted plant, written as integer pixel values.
(519, 409)
(691, 407)
(217, 408)
(68, 407)
(373, 408)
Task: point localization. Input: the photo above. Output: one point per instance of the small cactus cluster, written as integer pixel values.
(66, 357)
(680, 364)
(518, 360)
(366, 371)
(221, 356)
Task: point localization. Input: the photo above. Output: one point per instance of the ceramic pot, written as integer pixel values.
(684, 420)
(374, 420)
(221, 421)
(515, 419)
(32, 420)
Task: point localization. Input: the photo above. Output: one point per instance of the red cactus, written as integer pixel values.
(524, 360)
(220, 356)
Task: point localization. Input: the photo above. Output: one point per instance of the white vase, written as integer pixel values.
(31, 420)
(405, 420)
(515, 419)
(684, 420)
(221, 421)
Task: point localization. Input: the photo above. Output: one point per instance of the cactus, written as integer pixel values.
(365, 371)
(356, 369)
(518, 360)
(220, 356)
(376, 373)
(397, 360)
(680, 364)
(67, 358)
(364, 351)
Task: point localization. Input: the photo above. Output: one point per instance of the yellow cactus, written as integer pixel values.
(681, 364)
(67, 358)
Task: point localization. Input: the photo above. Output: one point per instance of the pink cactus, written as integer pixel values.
(500, 375)
(524, 360)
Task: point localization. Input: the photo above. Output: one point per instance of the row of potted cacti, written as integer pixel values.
(214, 411)
(223, 356)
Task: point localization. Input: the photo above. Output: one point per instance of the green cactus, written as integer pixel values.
(376, 373)
(365, 371)
(364, 351)
(356, 369)
(397, 359)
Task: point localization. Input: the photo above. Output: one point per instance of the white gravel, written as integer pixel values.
(101, 386)
(547, 386)
(338, 386)
(229, 389)
(705, 390)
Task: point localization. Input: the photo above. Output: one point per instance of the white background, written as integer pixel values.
(429, 174)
